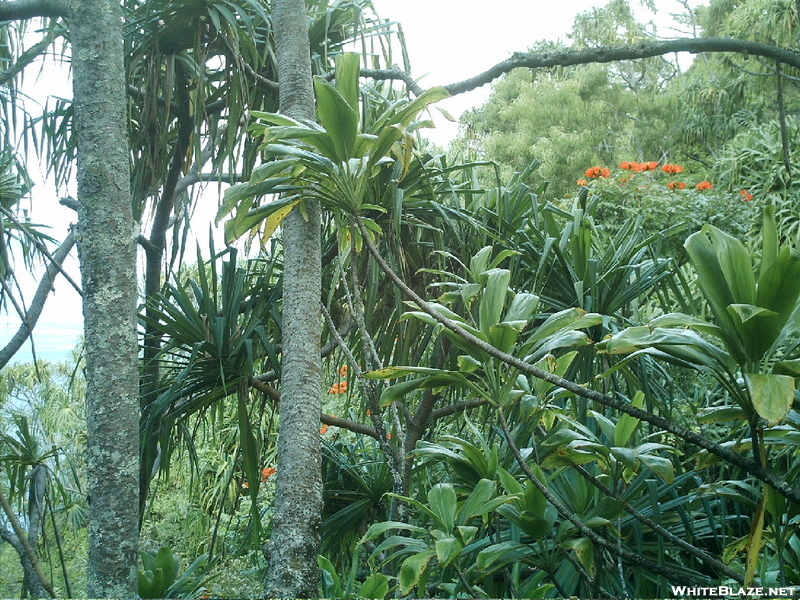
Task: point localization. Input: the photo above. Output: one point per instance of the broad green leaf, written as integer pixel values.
(331, 586)
(481, 494)
(494, 298)
(480, 261)
(569, 319)
(522, 307)
(769, 241)
(398, 390)
(627, 424)
(348, 70)
(412, 569)
(338, 118)
(503, 336)
(772, 395)
(719, 414)
(658, 465)
(376, 586)
(504, 550)
(409, 112)
(712, 280)
(447, 549)
(377, 529)
(467, 533)
(754, 542)
(443, 503)
(745, 312)
(467, 364)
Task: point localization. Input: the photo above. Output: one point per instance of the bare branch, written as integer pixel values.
(29, 9)
(604, 54)
(39, 298)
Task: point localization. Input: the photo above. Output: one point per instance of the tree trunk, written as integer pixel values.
(106, 248)
(295, 539)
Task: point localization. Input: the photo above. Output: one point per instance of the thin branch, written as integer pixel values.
(573, 518)
(604, 54)
(456, 408)
(41, 248)
(267, 84)
(353, 426)
(757, 471)
(30, 553)
(29, 9)
(693, 550)
(39, 298)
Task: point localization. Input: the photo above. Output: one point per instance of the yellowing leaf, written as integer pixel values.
(274, 220)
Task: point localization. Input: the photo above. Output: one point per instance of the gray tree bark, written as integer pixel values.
(106, 249)
(295, 539)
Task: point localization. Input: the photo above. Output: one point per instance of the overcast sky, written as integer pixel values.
(447, 41)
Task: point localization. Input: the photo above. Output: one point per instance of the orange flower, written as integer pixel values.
(338, 388)
(598, 172)
(746, 196)
(268, 472)
(369, 413)
(623, 180)
(582, 182)
(704, 185)
(343, 371)
(677, 185)
(672, 169)
(323, 430)
(388, 436)
(627, 165)
(245, 485)
(645, 166)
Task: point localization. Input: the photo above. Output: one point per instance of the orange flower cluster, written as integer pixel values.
(677, 185)
(672, 169)
(268, 472)
(323, 430)
(343, 371)
(594, 172)
(704, 185)
(338, 388)
(582, 182)
(639, 167)
(746, 196)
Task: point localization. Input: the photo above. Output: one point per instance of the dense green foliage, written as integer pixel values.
(647, 255)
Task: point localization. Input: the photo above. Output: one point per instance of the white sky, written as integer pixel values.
(447, 40)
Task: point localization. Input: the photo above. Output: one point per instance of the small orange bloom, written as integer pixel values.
(672, 169)
(704, 185)
(323, 430)
(268, 472)
(338, 388)
(245, 485)
(746, 196)
(598, 172)
(677, 185)
(582, 182)
(652, 165)
(388, 436)
(369, 413)
(627, 165)
(343, 371)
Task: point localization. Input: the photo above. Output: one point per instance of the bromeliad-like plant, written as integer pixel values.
(332, 161)
(753, 346)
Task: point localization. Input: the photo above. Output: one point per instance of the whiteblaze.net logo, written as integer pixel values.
(736, 592)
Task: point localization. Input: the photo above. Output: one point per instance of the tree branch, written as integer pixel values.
(748, 465)
(39, 298)
(29, 9)
(604, 54)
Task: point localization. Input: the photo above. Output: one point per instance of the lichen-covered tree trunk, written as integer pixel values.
(295, 538)
(106, 238)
